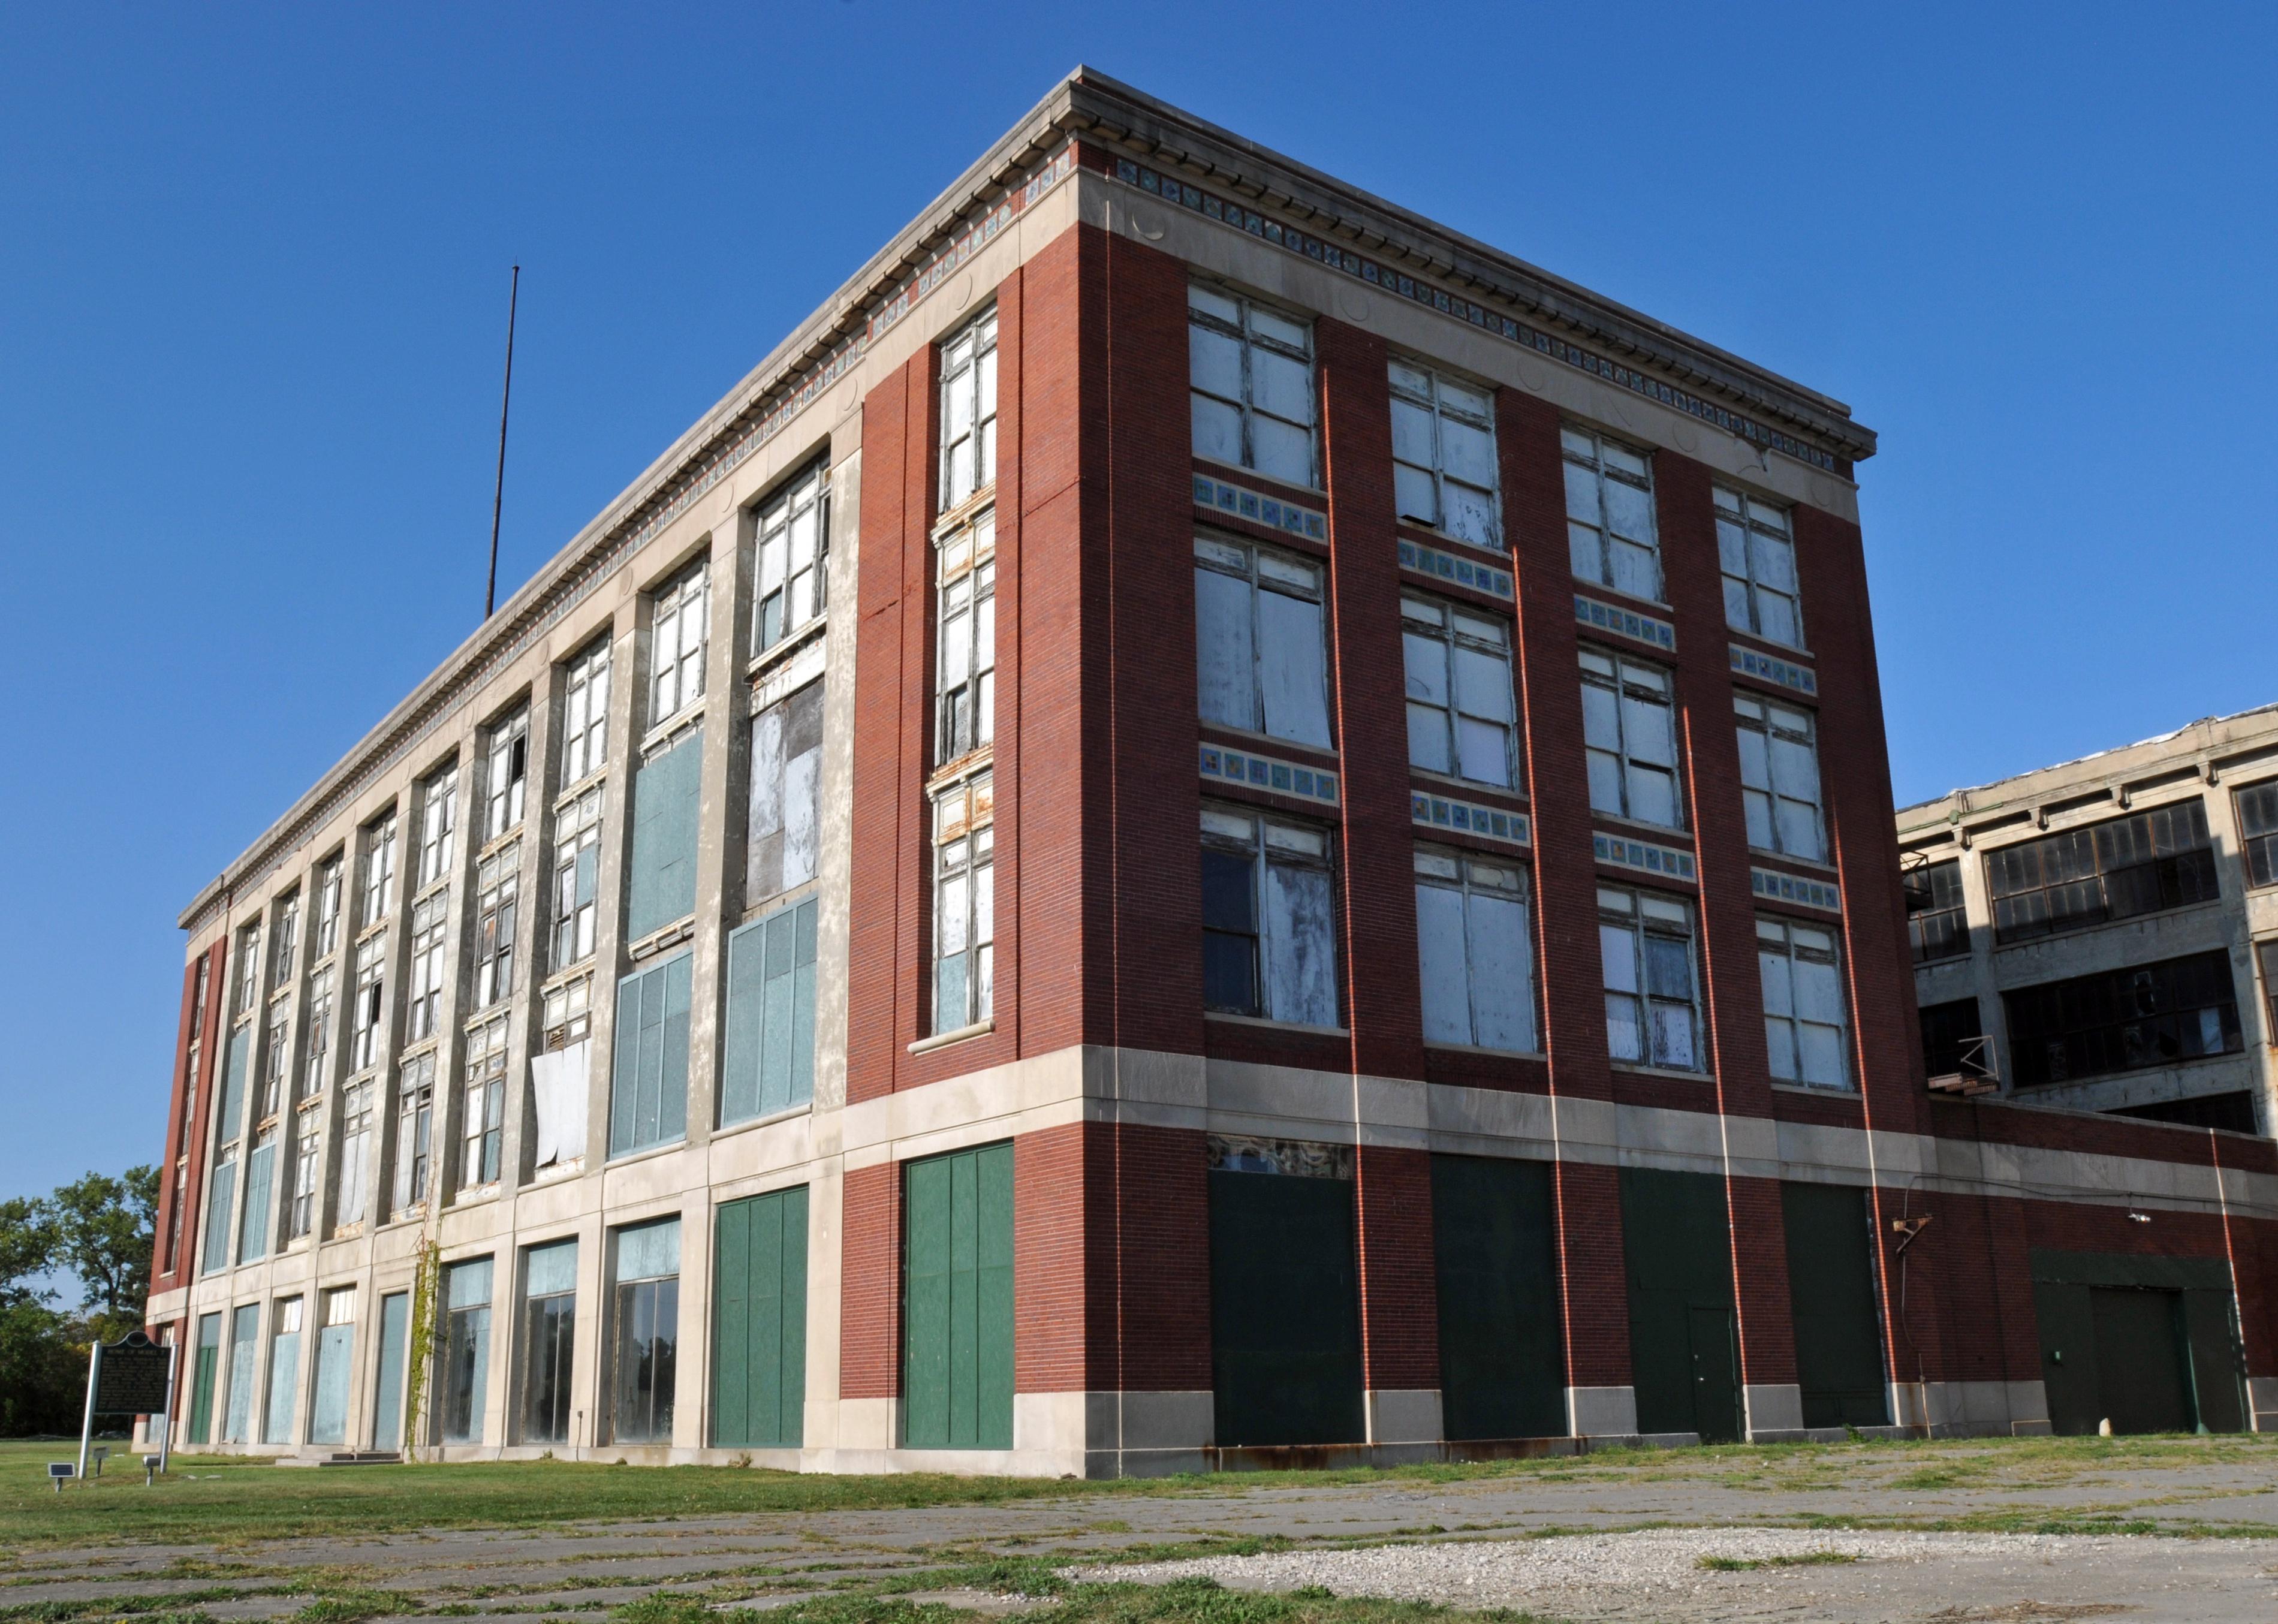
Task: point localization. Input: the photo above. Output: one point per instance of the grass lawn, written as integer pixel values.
(229, 1500)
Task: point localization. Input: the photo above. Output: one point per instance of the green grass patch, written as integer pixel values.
(1809, 1559)
(1184, 1601)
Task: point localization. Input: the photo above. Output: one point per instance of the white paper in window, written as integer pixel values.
(1502, 973)
(1281, 451)
(557, 1092)
(1293, 671)
(1300, 951)
(801, 810)
(1224, 656)
(1440, 964)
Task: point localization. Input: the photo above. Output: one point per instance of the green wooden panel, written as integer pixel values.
(1503, 1371)
(760, 1338)
(1285, 1310)
(236, 1063)
(1831, 1282)
(768, 1061)
(260, 1181)
(221, 1198)
(661, 884)
(2211, 1328)
(2139, 1357)
(956, 1353)
(2069, 1371)
(1677, 1248)
(206, 1367)
(648, 1080)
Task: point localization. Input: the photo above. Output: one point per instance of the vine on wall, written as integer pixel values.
(422, 1350)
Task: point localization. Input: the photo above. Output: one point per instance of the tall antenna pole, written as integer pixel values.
(505, 399)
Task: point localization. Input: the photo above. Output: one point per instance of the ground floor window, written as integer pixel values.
(645, 1319)
(466, 1350)
(549, 1318)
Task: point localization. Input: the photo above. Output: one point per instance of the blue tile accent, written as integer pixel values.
(1628, 622)
(1780, 888)
(1748, 662)
(1220, 497)
(1624, 852)
(1447, 567)
(1363, 268)
(1264, 772)
(1486, 823)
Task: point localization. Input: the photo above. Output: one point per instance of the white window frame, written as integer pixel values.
(1780, 784)
(355, 1182)
(1755, 548)
(328, 908)
(1447, 651)
(423, 976)
(439, 825)
(585, 712)
(1595, 463)
(368, 1024)
(1801, 965)
(964, 667)
(566, 1011)
(301, 1213)
(482, 1131)
(680, 635)
(287, 939)
(414, 1133)
(1438, 423)
(1281, 988)
(1284, 669)
(1640, 995)
(319, 1022)
(968, 412)
(791, 539)
(1615, 730)
(498, 884)
(276, 1052)
(1251, 413)
(379, 868)
(576, 898)
(1466, 1002)
(964, 902)
(506, 778)
(249, 968)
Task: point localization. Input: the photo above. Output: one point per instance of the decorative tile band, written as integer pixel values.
(1171, 189)
(1629, 623)
(1241, 1152)
(1263, 772)
(1437, 812)
(1626, 853)
(1271, 511)
(1447, 567)
(1748, 662)
(1789, 888)
(970, 242)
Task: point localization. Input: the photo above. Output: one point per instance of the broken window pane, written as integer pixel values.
(1260, 641)
(1630, 734)
(968, 410)
(1610, 526)
(1645, 944)
(1757, 553)
(1803, 1002)
(1251, 372)
(1475, 951)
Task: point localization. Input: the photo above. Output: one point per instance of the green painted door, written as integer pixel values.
(1830, 1283)
(1285, 1310)
(957, 1307)
(759, 1354)
(2139, 1345)
(1676, 1245)
(1503, 1368)
(205, 1368)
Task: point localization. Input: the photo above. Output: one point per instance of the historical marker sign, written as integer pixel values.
(132, 1377)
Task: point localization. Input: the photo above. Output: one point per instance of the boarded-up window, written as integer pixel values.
(284, 1371)
(558, 1080)
(221, 1194)
(328, 1406)
(1475, 950)
(957, 1318)
(236, 1063)
(786, 807)
(1269, 930)
(661, 885)
(758, 1360)
(1502, 1325)
(648, 1093)
(1260, 648)
(769, 1061)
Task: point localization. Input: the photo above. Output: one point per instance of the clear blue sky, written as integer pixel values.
(253, 266)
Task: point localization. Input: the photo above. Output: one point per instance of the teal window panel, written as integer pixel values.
(759, 1365)
(767, 1063)
(648, 1087)
(957, 1349)
(661, 887)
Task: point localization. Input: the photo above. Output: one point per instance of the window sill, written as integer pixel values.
(776, 655)
(979, 759)
(1475, 1048)
(372, 928)
(658, 941)
(1814, 1091)
(746, 1125)
(965, 512)
(1236, 469)
(1450, 539)
(2104, 925)
(1633, 1068)
(1587, 584)
(942, 1040)
(479, 1195)
(496, 844)
(1271, 1024)
(1272, 740)
(1659, 832)
(554, 1172)
(1793, 651)
(665, 734)
(646, 1152)
(577, 791)
(1469, 786)
(1820, 864)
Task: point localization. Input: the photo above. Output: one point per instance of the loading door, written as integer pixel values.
(2149, 1343)
(1285, 1310)
(1831, 1282)
(957, 1303)
(1503, 1368)
(1683, 1345)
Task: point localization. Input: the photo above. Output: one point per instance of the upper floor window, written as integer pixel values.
(1758, 556)
(288, 941)
(482, 1111)
(439, 823)
(678, 637)
(1260, 641)
(506, 775)
(1653, 996)
(965, 687)
(498, 880)
(968, 412)
(780, 847)
(1475, 949)
(2142, 864)
(1253, 371)
(1938, 927)
(793, 540)
(2266, 955)
(965, 910)
(1803, 1002)
(328, 908)
(586, 715)
(426, 970)
(415, 1131)
(1269, 918)
(1461, 716)
(1610, 523)
(1629, 727)
(249, 968)
(379, 868)
(1779, 777)
(1443, 454)
(2258, 831)
(314, 1063)
(365, 1031)
(576, 877)
(2128, 1019)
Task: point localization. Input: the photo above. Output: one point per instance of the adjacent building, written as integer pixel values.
(2103, 934)
(1206, 824)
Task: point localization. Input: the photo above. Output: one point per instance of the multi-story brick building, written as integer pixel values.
(2103, 934)
(1205, 818)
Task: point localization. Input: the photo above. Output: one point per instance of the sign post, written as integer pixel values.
(131, 1376)
(166, 1431)
(86, 1421)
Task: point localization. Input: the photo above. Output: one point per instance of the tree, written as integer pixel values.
(27, 1250)
(104, 1229)
(35, 1357)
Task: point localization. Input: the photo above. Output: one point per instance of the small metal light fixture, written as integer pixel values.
(2139, 1217)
